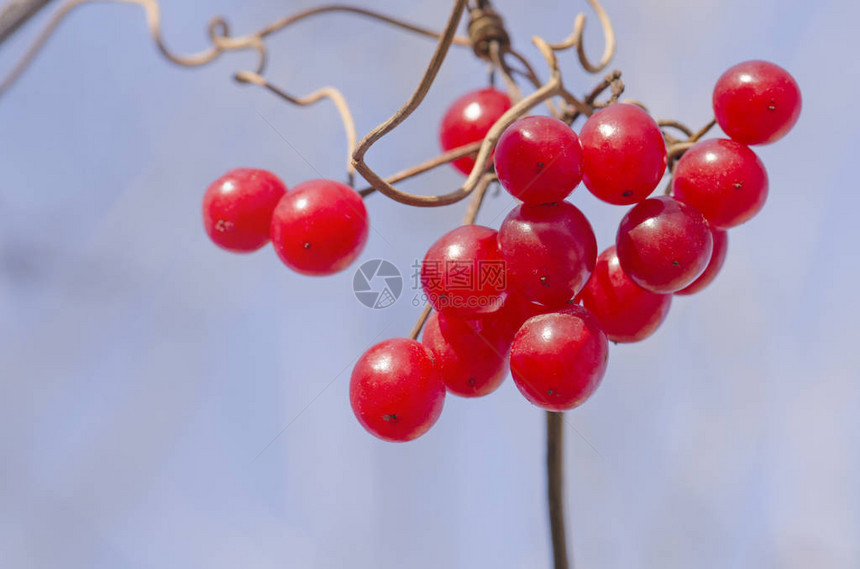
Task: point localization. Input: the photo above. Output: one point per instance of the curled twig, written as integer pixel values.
(575, 40)
(330, 93)
(218, 31)
(427, 165)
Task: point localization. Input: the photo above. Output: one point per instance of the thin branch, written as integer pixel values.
(450, 156)
(549, 90)
(555, 487)
(219, 34)
(425, 314)
(14, 14)
(575, 40)
(330, 93)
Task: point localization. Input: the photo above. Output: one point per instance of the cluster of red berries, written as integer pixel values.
(318, 228)
(533, 297)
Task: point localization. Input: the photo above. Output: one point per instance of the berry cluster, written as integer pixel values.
(318, 228)
(533, 296)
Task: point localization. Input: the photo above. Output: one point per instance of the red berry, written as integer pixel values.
(718, 257)
(756, 102)
(463, 272)
(663, 244)
(469, 119)
(513, 313)
(626, 311)
(237, 208)
(724, 180)
(558, 359)
(320, 227)
(624, 155)
(549, 251)
(471, 356)
(396, 390)
(539, 160)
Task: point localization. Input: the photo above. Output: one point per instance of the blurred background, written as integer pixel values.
(167, 404)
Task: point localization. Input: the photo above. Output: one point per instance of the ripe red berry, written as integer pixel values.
(463, 272)
(558, 359)
(396, 390)
(626, 311)
(549, 251)
(756, 102)
(663, 244)
(723, 179)
(513, 313)
(624, 155)
(469, 119)
(237, 208)
(718, 257)
(471, 356)
(320, 227)
(539, 160)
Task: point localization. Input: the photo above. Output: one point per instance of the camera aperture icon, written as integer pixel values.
(377, 284)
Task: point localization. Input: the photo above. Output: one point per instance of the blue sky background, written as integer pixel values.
(145, 374)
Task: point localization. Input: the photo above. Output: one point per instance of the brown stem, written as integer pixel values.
(445, 158)
(330, 93)
(425, 314)
(219, 34)
(555, 487)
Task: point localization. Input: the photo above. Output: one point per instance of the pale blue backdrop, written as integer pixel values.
(165, 404)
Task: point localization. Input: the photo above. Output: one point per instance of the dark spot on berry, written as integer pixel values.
(676, 264)
(738, 185)
(549, 391)
(544, 281)
(772, 105)
(627, 193)
(307, 245)
(540, 166)
(390, 418)
(472, 381)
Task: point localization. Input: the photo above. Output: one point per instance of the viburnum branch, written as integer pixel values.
(445, 158)
(499, 63)
(330, 93)
(555, 487)
(575, 40)
(218, 31)
(550, 89)
(666, 123)
(589, 104)
(422, 319)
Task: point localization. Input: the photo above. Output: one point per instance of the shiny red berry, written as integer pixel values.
(756, 102)
(469, 119)
(539, 160)
(463, 272)
(549, 251)
(624, 155)
(718, 257)
(626, 311)
(396, 390)
(320, 227)
(558, 359)
(514, 312)
(237, 208)
(724, 180)
(663, 244)
(472, 356)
